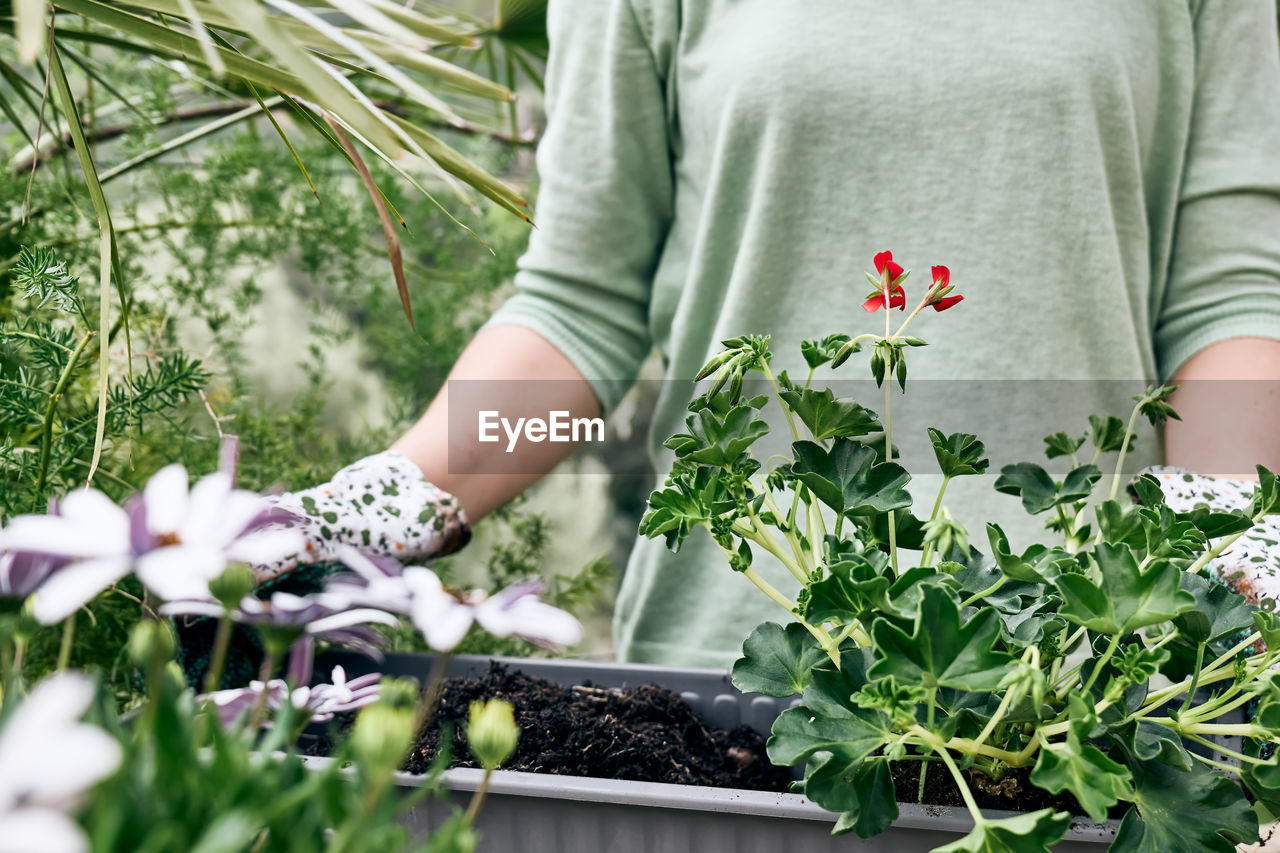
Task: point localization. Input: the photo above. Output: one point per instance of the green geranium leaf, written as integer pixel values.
(1267, 500)
(848, 479)
(1040, 492)
(908, 530)
(1128, 599)
(1037, 564)
(1034, 832)
(1097, 782)
(1218, 611)
(1267, 623)
(777, 661)
(818, 352)
(719, 442)
(856, 587)
(1167, 536)
(867, 794)
(673, 514)
(1061, 444)
(1106, 432)
(1184, 811)
(1262, 780)
(1152, 742)
(1120, 525)
(1146, 490)
(959, 454)
(851, 735)
(826, 417)
(1213, 524)
(896, 701)
(942, 651)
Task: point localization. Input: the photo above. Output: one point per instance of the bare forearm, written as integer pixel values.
(517, 373)
(1229, 400)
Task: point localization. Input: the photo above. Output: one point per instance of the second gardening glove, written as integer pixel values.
(1251, 565)
(381, 505)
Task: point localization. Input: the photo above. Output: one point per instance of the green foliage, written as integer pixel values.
(1103, 667)
(776, 661)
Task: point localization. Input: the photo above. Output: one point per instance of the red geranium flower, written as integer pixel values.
(897, 299)
(942, 283)
(885, 259)
(886, 268)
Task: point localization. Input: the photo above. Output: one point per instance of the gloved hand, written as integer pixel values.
(380, 504)
(1251, 565)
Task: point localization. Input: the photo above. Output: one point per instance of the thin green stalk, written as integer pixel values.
(477, 799)
(68, 636)
(50, 411)
(933, 704)
(431, 692)
(777, 392)
(1102, 662)
(765, 540)
(1217, 765)
(1230, 753)
(1124, 449)
(218, 662)
(978, 596)
(965, 793)
(924, 772)
(1195, 677)
(1216, 550)
(820, 634)
(927, 555)
(264, 675)
(888, 456)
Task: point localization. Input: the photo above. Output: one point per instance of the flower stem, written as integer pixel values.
(218, 662)
(1102, 662)
(68, 637)
(264, 675)
(477, 799)
(927, 555)
(1124, 448)
(46, 427)
(888, 457)
(777, 392)
(431, 693)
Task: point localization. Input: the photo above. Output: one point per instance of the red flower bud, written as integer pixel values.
(946, 302)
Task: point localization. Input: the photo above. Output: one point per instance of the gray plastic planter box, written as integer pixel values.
(539, 813)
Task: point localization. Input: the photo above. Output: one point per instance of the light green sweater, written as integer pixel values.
(1101, 176)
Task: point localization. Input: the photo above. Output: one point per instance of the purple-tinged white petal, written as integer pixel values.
(74, 586)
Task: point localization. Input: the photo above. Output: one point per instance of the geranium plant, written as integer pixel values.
(1102, 665)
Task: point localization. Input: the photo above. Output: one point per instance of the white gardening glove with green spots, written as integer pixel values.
(380, 505)
(1251, 565)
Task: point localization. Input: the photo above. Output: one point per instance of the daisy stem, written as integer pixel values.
(477, 799)
(431, 693)
(264, 675)
(68, 637)
(218, 662)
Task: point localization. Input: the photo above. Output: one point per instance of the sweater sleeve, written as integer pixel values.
(605, 196)
(1224, 276)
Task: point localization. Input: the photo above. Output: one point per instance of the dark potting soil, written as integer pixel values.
(649, 734)
(641, 733)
